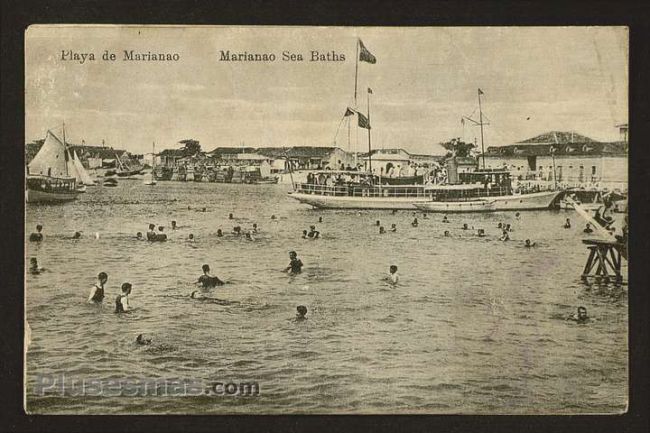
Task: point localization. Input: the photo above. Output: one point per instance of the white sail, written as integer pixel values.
(83, 174)
(72, 169)
(51, 158)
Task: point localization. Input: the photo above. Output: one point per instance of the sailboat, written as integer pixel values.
(150, 179)
(48, 179)
(77, 170)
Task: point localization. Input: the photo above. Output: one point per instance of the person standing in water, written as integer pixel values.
(173, 224)
(38, 236)
(33, 266)
(304, 234)
(567, 224)
(122, 301)
(382, 230)
(151, 234)
(393, 227)
(415, 222)
(588, 229)
(393, 276)
(295, 264)
(219, 233)
(505, 236)
(313, 233)
(207, 280)
(97, 292)
(301, 313)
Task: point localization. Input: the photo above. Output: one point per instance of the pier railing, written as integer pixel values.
(361, 190)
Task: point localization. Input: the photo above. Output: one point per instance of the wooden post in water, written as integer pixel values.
(604, 261)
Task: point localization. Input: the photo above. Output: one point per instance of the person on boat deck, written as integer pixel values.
(393, 276)
(393, 227)
(447, 234)
(580, 316)
(122, 301)
(219, 233)
(139, 236)
(301, 313)
(33, 266)
(173, 225)
(161, 236)
(415, 222)
(567, 224)
(465, 227)
(295, 264)
(382, 230)
(528, 243)
(588, 229)
(481, 233)
(236, 230)
(38, 236)
(505, 236)
(313, 233)
(151, 234)
(444, 219)
(207, 280)
(255, 229)
(97, 292)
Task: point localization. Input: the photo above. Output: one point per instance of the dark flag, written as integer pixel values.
(349, 112)
(363, 121)
(369, 90)
(364, 54)
(480, 92)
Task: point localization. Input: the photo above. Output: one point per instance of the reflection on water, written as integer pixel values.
(475, 325)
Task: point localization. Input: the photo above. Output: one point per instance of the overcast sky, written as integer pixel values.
(534, 80)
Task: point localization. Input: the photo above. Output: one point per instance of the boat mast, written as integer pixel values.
(65, 150)
(356, 75)
(369, 146)
(480, 92)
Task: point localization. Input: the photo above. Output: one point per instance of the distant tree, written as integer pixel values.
(190, 147)
(457, 147)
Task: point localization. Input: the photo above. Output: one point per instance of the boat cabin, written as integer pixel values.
(473, 185)
(51, 184)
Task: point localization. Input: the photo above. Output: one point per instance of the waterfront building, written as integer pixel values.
(568, 158)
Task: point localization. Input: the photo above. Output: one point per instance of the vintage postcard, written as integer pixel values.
(339, 220)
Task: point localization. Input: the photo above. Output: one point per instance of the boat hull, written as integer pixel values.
(35, 196)
(519, 202)
(355, 202)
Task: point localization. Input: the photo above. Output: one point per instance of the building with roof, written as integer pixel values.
(569, 158)
(311, 157)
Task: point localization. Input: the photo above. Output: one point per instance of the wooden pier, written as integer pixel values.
(604, 261)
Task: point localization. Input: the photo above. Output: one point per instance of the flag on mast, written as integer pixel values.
(363, 121)
(480, 92)
(369, 90)
(349, 112)
(365, 55)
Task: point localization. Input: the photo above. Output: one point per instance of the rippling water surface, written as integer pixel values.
(475, 325)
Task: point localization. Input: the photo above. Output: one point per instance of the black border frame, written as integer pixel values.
(16, 16)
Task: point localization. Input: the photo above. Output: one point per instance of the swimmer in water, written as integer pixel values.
(444, 219)
(273, 217)
(505, 236)
(393, 227)
(447, 233)
(161, 236)
(588, 229)
(122, 301)
(76, 235)
(304, 234)
(38, 236)
(567, 224)
(465, 227)
(508, 228)
(320, 219)
(207, 280)
(142, 341)
(230, 217)
(236, 231)
(173, 225)
(219, 233)
(97, 292)
(33, 267)
(393, 276)
(480, 233)
(500, 226)
(295, 264)
(190, 238)
(529, 244)
(415, 222)
(425, 216)
(255, 229)
(378, 223)
(151, 234)
(580, 316)
(249, 236)
(381, 230)
(301, 313)
(313, 233)
(139, 236)
(517, 215)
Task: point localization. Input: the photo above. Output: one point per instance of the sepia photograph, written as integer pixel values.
(326, 220)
